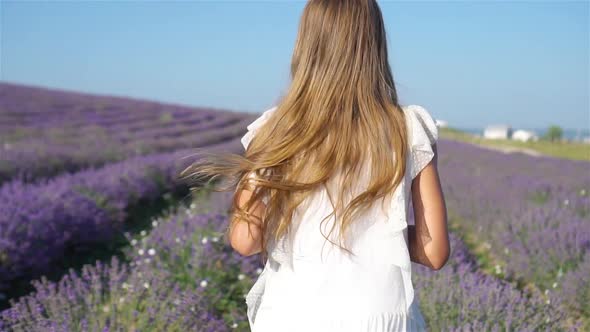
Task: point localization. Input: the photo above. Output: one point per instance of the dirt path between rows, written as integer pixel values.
(508, 149)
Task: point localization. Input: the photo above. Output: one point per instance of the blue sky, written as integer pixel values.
(471, 63)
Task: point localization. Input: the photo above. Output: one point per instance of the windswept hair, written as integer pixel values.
(339, 113)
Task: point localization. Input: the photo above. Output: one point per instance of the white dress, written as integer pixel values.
(307, 287)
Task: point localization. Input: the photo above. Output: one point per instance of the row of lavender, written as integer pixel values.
(23, 107)
(43, 158)
(39, 221)
(50, 143)
(184, 277)
(531, 216)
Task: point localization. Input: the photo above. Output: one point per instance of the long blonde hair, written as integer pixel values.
(340, 110)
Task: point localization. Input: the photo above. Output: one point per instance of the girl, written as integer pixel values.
(323, 189)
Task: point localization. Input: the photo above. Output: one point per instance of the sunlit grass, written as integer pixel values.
(566, 150)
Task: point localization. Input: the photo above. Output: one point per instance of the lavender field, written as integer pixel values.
(97, 233)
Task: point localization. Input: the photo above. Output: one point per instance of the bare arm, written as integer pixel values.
(429, 238)
(244, 243)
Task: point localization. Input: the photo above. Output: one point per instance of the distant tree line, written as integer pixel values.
(553, 134)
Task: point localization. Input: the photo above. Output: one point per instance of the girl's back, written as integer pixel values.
(308, 284)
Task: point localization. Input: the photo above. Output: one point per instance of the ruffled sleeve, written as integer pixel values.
(247, 138)
(423, 133)
(253, 127)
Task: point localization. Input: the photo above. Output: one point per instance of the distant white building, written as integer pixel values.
(524, 135)
(497, 132)
(441, 123)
